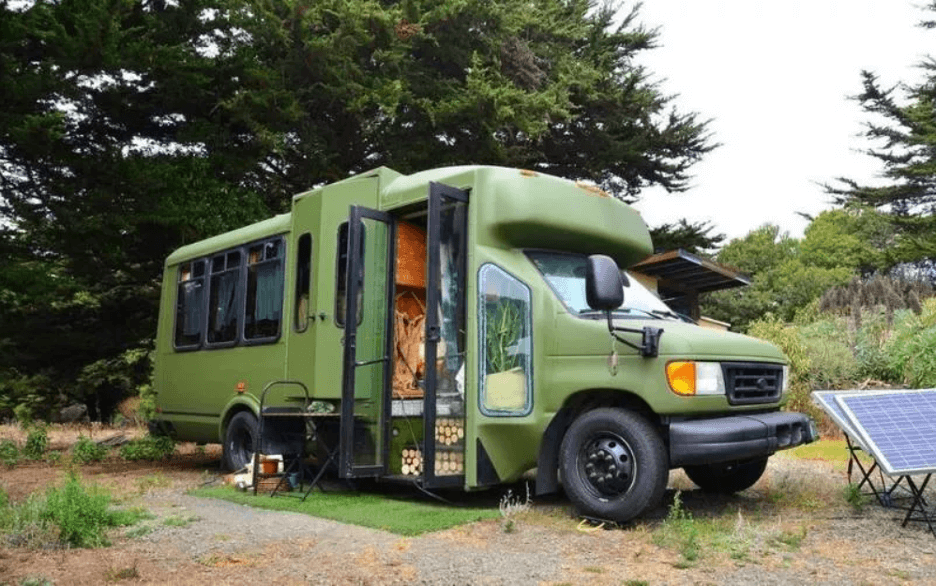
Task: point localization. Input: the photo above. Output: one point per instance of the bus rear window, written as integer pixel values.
(190, 305)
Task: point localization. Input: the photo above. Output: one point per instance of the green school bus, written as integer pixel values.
(460, 327)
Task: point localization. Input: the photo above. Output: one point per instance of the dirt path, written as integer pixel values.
(792, 527)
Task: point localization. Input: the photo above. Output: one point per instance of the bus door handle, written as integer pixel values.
(374, 361)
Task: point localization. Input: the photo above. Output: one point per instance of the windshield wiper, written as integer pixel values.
(624, 310)
(667, 313)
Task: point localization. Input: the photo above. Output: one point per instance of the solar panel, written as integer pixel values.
(826, 401)
(898, 428)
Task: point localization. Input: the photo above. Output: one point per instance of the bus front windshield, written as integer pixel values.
(565, 274)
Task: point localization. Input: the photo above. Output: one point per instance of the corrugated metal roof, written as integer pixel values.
(686, 271)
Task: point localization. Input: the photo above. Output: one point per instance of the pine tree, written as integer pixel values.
(902, 125)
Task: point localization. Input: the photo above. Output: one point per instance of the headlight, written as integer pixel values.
(695, 378)
(786, 378)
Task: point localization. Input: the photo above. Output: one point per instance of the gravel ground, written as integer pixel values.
(224, 543)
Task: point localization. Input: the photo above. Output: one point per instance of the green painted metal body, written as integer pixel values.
(509, 211)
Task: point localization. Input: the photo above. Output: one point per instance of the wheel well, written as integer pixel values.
(234, 410)
(547, 477)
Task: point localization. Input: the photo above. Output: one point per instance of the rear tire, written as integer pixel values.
(727, 478)
(240, 439)
(614, 464)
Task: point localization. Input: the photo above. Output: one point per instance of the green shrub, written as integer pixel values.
(147, 408)
(832, 364)
(37, 442)
(150, 447)
(87, 450)
(82, 515)
(789, 340)
(871, 341)
(9, 453)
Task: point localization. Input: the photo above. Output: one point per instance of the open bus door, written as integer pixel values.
(368, 340)
(444, 398)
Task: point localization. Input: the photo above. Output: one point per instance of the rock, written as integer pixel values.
(72, 413)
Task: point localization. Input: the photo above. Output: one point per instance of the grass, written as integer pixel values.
(403, 516)
(703, 539)
(179, 520)
(72, 514)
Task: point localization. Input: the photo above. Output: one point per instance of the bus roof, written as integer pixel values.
(262, 229)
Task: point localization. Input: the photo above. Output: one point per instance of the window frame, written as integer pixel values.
(246, 264)
(238, 295)
(341, 288)
(304, 327)
(240, 299)
(482, 350)
(202, 309)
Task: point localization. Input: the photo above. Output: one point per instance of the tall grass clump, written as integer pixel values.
(23, 524)
(71, 515)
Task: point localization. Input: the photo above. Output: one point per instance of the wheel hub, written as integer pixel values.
(609, 465)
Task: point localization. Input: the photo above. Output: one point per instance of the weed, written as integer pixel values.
(510, 506)
(23, 525)
(9, 453)
(87, 450)
(853, 496)
(179, 520)
(680, 528)
(594, 569)
(150, 447)
(37, 442)
(83, 515)
(151, 481)
(116, 575)
(139, 531)
(791, 539)
(36, 581)
(636, 583)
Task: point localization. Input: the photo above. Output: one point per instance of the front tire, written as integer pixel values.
(240, 440)
(727, 478)
(614, 464)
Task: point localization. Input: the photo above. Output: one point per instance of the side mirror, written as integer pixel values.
(604, 287)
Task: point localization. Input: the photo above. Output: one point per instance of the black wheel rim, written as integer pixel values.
(606, 463)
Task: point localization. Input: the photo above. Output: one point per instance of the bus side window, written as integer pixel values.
(342, 277)
(190, 305)
(222, 297)
(505, 328)
(264, 307)
(303, 281)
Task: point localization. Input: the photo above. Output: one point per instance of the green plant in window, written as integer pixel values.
(503, 330)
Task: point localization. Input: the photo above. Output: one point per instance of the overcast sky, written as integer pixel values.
(775, 78)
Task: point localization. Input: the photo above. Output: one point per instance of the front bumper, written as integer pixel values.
(737, 437)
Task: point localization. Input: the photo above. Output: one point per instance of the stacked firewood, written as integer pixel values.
(449, 463)
(412, 462)
(450, 431)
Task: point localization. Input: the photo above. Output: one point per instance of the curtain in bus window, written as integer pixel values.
(265, 300)
(222, 325)
(269, 291)
(191, 303)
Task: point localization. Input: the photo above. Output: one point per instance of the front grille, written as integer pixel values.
(750, 383)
